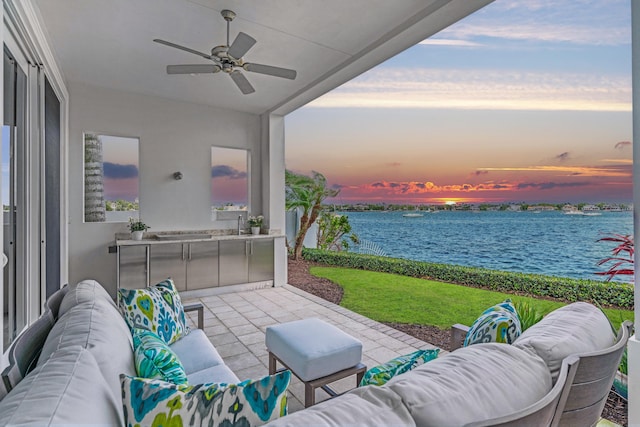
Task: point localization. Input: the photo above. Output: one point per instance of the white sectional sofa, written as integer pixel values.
(478, 384)
(76, 377)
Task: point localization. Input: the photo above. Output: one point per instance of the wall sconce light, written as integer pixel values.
(177, 176)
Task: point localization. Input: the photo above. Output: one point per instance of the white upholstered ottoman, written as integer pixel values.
(316, 352)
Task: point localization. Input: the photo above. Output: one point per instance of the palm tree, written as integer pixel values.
(307, 193)
(94, 206)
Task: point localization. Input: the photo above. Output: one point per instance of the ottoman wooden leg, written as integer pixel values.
(309, 395)
(360, 375)
(272, 364)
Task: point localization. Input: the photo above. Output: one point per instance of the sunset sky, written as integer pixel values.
(521, 101)
(120, 167)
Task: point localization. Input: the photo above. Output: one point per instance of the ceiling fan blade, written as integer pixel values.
(186, 49)
(241, 81)
(271, 71)
(193, 69)
(241, 45)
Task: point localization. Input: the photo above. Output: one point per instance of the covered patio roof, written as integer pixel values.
(110, 44)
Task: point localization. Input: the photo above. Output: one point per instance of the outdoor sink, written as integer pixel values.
(191, 236)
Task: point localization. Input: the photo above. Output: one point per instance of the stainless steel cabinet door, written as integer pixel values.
(234, 262)
(168, 260)
(202, 265)
(260, 260)
(132, 266)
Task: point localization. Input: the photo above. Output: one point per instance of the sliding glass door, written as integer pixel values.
(14, 198)
(52, 180)
(32, 154)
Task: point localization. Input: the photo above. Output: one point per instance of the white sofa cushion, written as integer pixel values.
(365, 406)
(196, 352)
(25, 351)
(573, 329)
(98, 327)
(213, 374)
(85, 291)
(200, 359)
(474, 383)
(65, 390)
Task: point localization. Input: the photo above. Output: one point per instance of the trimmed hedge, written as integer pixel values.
(604, 293)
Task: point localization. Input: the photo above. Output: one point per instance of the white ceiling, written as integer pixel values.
(109, 43)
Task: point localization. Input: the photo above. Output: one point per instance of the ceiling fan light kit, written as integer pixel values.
(228, 59)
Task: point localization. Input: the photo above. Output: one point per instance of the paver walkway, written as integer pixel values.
(236, 323)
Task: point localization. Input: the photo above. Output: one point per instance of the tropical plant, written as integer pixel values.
(528, 315)
(622, 260)
(136, 224)
(306, 193)
(334, 232)
(624, 367)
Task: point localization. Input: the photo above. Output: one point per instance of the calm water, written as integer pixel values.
(548, 243)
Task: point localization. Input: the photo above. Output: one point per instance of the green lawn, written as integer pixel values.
(392, 298)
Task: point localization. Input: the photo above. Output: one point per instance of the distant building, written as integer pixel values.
(541, 208)
(590, 208)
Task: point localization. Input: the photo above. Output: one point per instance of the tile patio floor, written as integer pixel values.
(236, 323)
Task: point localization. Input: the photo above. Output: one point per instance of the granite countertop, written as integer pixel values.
(166, 237)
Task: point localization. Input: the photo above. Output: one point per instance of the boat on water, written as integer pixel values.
(581, 213)
(412, 215)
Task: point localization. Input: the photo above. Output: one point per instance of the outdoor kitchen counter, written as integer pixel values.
(153, 239)
(196, 260)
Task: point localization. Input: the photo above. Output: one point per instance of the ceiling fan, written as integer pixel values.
(228, 58)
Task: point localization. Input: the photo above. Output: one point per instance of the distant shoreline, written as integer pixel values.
(506, 207)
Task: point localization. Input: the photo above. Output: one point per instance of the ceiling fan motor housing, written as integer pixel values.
(220, 52)
(228, 15)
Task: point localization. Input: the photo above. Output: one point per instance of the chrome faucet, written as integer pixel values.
(240, 223)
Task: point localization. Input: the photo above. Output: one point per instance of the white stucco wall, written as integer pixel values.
(174, 136)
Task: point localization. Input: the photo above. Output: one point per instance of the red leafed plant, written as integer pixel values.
(622, 260)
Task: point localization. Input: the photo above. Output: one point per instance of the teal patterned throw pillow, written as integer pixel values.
(249, 403)
(379, 375)
(499, 323)
(155, 360)
(157, 308)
